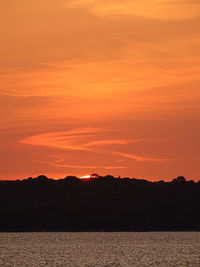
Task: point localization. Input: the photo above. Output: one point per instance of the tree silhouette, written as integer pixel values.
(100, 203)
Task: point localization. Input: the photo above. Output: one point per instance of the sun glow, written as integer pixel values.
(85, 177)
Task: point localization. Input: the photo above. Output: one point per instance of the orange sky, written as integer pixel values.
(110, 87)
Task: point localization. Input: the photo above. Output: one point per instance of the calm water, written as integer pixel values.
(100, 249)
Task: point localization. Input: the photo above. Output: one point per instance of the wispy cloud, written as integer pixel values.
(77, 140)
(72, 166)
(156, 9)
(139, 158)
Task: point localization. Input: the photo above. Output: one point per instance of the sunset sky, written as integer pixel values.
(104, 86)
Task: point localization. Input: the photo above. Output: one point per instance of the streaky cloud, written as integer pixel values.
(75, 140)
(153, 9)
(59, 165)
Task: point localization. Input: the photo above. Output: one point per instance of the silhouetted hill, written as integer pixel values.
(101, 203)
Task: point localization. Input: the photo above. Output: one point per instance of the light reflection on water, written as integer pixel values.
(100, 249)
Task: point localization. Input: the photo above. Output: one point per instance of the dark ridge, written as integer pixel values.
(101, 203)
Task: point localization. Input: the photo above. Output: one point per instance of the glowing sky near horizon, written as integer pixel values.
(98, 86)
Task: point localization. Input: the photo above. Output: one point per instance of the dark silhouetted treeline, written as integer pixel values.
(99, 204)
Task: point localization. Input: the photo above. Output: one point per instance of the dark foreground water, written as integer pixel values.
(100, 249)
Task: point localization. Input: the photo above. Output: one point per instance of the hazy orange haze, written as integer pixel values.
(111, 87)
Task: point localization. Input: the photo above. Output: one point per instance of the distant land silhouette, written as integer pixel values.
(100, 203)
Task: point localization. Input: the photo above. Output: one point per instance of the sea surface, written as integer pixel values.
(166, 249)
